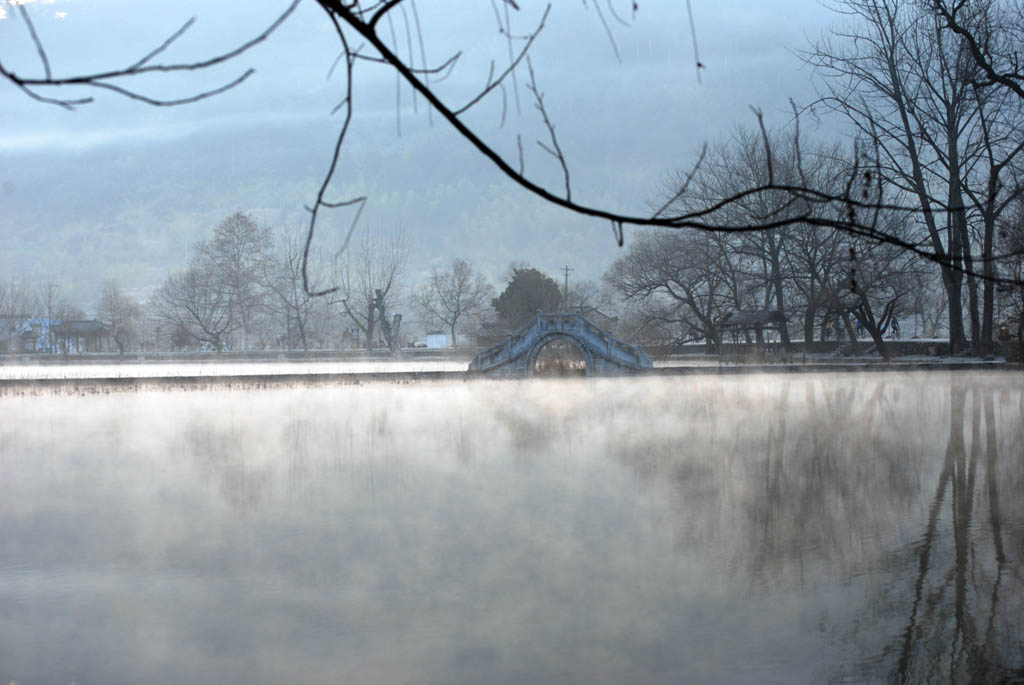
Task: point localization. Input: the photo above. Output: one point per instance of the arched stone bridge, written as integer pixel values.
(605, 355)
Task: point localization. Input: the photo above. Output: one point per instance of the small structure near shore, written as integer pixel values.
(756, 320)
(77, 336)
(602, 353)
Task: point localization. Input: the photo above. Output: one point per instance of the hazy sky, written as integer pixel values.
(623, 124)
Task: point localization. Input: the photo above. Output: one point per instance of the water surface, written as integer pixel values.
(857, 527)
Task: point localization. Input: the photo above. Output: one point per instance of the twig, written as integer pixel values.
(101, 79)
(698, 65)
(767, 145)
(35, 39)
(511, 68)
(607, 31)
(555, 151)
(163, 46)
(685, 184)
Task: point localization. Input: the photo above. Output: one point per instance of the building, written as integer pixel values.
(436, 340)
(78, 336)
(756, 320)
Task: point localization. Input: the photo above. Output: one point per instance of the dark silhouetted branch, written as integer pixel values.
(103, 80)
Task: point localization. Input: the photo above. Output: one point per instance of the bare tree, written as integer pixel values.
(926, 301)
(305, 317)
(878, 280)
(813, 261)
(782, 269)
(757, 256)
(452, 295)
(190, 301)
(993, 32)
(1000, 115)
(682, 279)
(16, 305)
(587, 294)
(373, 263)
(1011, 244)
(53, 306)
(236, 258)
(221, 292)
(910, 87)
(122, 313)
(693, 281)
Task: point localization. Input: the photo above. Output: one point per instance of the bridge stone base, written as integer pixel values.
(604, 354)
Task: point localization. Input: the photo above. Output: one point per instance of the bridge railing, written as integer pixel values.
(632, 353)
(574, 323)
(503, 351)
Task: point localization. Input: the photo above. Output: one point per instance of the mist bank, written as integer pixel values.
(95, 379)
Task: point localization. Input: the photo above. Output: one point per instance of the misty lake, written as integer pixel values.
(767, 528)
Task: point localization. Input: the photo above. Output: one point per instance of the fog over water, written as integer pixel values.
(758, 529)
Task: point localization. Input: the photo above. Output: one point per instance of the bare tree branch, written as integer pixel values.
(35, 39)
(555, 151)
(102, 79)
(1012, 79)
(163, 46)
(491, 85)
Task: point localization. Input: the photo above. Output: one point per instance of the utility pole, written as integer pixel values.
(565, 293)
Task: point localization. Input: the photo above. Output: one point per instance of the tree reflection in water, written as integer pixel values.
(957, 629)
(834, 478)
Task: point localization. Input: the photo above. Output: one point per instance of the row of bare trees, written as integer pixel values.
(820, 279)
(932, 93)
(949, 137)
(48, 304)
(21, 301)
(243, 289)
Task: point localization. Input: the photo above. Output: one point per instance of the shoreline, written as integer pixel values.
(97, 385)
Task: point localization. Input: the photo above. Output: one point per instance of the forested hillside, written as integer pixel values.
(130, 210)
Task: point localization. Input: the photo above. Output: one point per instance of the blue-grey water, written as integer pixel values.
(808, 528)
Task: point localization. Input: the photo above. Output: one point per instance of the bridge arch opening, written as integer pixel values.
(559, 357)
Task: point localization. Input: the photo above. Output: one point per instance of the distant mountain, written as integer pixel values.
(131, 210)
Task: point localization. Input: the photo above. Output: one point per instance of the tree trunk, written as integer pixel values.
(850, 330)
(879, 340)
(370, 324)
(987, 306)
(712, 340)
(988, 293)
(875, 327)
(972, 284)
(959, 241)
(302, 333)
(783, 326)
(952, 282)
